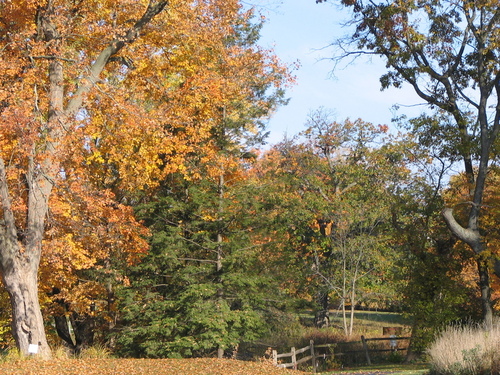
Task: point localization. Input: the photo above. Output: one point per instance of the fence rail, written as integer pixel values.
(314, 354)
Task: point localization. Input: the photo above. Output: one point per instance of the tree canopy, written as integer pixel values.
(447, 51)
(108, 98)
(139, 209)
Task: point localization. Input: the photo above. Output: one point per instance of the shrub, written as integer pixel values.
(96, 351)
(467, 349)
(61, 352)
(11, 355)
(322, 336)
(285, 330)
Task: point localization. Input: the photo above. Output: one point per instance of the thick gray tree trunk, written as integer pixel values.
(20, 251)
(20, 280)
(473, 238)
(322, 316)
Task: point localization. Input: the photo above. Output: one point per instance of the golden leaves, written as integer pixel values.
(88, 229)
(155, 105)
(206, 366)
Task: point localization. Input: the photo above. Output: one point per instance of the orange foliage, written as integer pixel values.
(88, 229)
(186, 86)
(206, 366)
(153, 105)
(155, 102)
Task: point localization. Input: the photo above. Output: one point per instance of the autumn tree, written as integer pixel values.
(202, 281)
(447, 51)
(244, 83)
(90, 239)
(343, 184)
(431, 265)
(50, 65)
(455, 194)
(203, 288)
(125, 91)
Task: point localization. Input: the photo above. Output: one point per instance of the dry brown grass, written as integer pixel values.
(468, 349)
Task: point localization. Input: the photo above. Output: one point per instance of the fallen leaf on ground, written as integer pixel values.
(197, 366)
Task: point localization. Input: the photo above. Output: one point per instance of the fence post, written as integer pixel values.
(294, 358)
(313, 355)
(365, 347)
(275, 357)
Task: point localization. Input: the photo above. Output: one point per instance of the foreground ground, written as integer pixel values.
(201, 366)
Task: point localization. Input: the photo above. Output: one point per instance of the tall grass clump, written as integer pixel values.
(468, 349)
(12, 355)
(96, 351)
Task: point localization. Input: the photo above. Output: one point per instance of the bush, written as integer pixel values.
(322, 336)
(285, 330)
(96, 351)
(467, 349)
(11, 355)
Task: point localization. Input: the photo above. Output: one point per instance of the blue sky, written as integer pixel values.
(300, 30)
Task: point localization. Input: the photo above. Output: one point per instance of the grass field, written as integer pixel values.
(370, 322)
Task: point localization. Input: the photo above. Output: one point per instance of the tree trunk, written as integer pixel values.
(220, 239)
(21, 242)
(353, 305)
(344, 316)
(82, 327)
(484, 286)
(20, 280)
(20, 253)
(473, 238)
(322, 316)
(413, 353)
(62, 329)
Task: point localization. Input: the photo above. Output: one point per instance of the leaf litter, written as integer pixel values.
(196, 366)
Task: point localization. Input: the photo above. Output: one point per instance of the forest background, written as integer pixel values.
(140, 210)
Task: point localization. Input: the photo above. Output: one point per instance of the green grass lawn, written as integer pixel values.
(362, 319)
(370, 322)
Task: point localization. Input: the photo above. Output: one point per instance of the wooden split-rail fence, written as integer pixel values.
(313, 355)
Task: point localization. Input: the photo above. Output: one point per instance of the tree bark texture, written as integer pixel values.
(20, 280)
(322, 316)
(19, 261)
(473, 238)
(484, 286)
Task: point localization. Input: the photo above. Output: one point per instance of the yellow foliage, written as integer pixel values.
(93, 134)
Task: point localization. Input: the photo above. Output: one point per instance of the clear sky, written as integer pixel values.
(300, 30)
